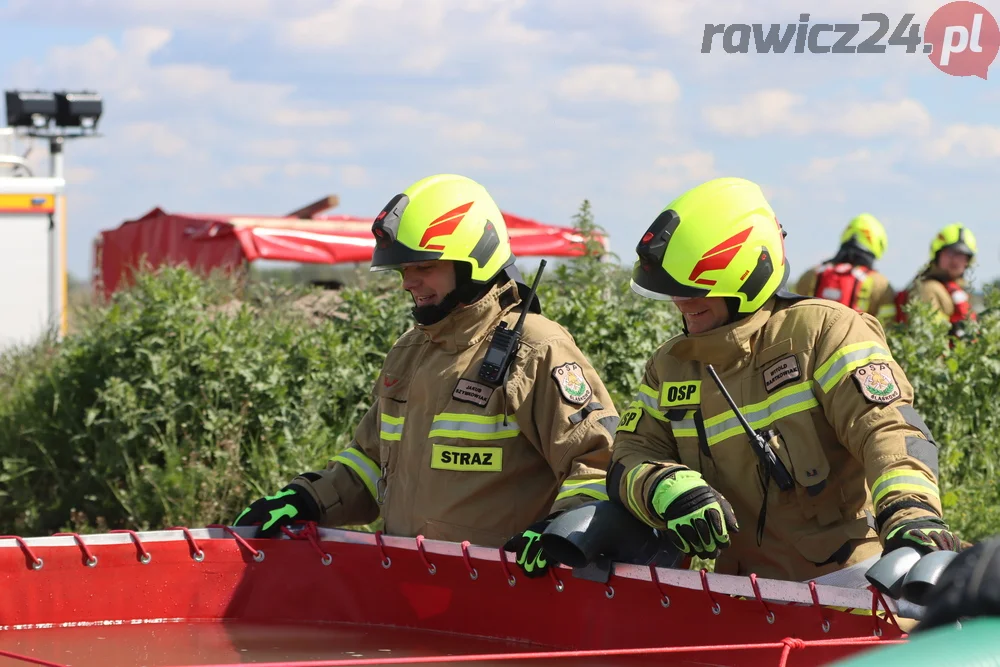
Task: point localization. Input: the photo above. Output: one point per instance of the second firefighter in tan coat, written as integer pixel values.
(442, 452)
(942, 282)
(815, 377)
(849, 277)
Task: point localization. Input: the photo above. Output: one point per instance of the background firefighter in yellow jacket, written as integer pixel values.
(942, 282)
(441, 452)
(814, 376)
(849, 276)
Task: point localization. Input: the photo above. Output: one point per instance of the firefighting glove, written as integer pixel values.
(292, 503)
(925, 535)
(698, 518)
(968, 588)
(528, 547)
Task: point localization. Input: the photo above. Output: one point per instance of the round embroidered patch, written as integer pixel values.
(572, 383)
(877, 383)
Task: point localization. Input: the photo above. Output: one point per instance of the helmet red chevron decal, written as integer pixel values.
(444, 225)
(719, 257)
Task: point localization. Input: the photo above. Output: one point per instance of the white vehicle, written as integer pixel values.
(33, 278)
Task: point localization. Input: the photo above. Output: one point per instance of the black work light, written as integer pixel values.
(30, 109)
(78, 109)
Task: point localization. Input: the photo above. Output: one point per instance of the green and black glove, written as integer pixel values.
(292, 503)
(925, 534)
(698, 518)
(528, 547)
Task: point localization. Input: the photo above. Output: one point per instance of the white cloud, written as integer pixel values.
(860, 165)
(494, 164)
(290, 117)
(523, 96)
(354, 176)
(126, 75)
(419, 37)
(80, 175)
(671, 174)
(201, 84)
(764, 112)
(967, 141)
(273, 148)
(453, 134)
(245, 175)
(873, 119)
(307, 170)
(467, 134)
(619, 83)
(160, 138)
(333, 148)
(778, 111)
(191, 14)
(144, 41)
(408, 115)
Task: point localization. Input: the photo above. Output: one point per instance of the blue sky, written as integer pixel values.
(261, 106)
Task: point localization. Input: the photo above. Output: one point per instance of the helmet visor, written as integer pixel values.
(649, 278)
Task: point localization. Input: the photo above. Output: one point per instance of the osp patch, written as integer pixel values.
(629, 420)
(572, 383)
(877, 383)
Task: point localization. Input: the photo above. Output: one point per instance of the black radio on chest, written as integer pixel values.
(504, 344)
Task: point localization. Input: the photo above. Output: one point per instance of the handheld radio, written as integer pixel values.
(771, 463)
(505, 342)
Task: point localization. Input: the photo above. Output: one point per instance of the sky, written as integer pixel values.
(258, 107)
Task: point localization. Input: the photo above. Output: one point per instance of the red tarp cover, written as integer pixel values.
(206, 242)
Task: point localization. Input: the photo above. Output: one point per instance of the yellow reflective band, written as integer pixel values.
(647, 403)
(629, 420)
(847, 359)
(473, 427)
(355, 459)
(467, 459)
(648, 391)
(392, 427)
(903, 481)
(673, 394)
(685, 428)
(790, 400)
(594, 488)
(632, 492)
(865, 293)
(886, 311)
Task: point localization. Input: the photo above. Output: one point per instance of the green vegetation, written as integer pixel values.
(183, 398)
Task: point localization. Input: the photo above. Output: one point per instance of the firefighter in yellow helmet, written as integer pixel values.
(844, 466)
(445, 452)
(942, 281)
(849, 276)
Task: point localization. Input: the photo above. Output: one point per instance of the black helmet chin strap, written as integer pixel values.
(466, 292)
